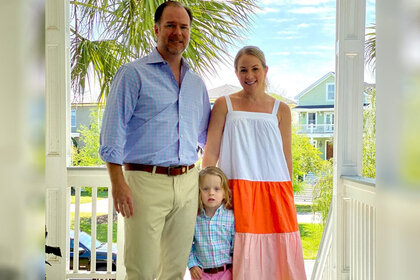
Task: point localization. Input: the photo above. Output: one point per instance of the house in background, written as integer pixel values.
(81, 108)
(223, 90)
(315, 114)
(227, 89)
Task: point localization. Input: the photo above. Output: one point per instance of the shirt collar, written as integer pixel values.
(219, 211)
(155, 57)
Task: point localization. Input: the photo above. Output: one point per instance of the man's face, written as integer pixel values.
(173, 31)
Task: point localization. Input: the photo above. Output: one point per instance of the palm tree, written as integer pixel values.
(370, 47)
(108, 33)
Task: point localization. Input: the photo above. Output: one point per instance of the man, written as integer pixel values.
(156, 114)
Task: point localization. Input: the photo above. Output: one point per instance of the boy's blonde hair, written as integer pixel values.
(215, 171)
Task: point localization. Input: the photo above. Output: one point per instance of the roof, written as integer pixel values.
(305, 91)
(226, 89)
(88, 97)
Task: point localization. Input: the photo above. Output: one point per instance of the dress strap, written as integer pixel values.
(228, 103)
(276, 107)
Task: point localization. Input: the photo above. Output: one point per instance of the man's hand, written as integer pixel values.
(195, 272)
(123, 199)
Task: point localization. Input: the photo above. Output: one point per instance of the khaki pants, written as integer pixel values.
(158, 237)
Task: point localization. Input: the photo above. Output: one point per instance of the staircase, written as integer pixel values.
(305, 197)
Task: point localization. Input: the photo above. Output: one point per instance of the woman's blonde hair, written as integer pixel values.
(250, 50)
(215, 171)
(254, 51)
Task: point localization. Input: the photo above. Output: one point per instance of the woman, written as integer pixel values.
(250, 136)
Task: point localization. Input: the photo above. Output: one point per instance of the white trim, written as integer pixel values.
(326, 91)
(57, 135)
(308, 89)
(314, 142)
(313, 109)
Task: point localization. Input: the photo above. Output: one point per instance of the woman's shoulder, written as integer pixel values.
(284, 111)
(220, 105)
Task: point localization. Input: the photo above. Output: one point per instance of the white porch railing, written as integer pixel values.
(316, 128)
(359, 220)
(93, 177)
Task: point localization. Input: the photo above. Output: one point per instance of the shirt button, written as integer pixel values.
(180, 117)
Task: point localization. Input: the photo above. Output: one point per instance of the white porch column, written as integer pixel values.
(57, 130)
(397, 139)
(350, 35)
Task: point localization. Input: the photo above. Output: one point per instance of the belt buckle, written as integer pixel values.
(169, 170)
(172, 167)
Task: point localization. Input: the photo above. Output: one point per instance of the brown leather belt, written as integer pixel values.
(215, 270)
(170, 171)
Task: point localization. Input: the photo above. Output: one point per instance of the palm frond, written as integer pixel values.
(370, 47)
(108, 33)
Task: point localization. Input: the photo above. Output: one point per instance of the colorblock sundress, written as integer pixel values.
(267, 240)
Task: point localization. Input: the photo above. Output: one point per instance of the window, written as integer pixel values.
(73, 118)
(330, 91)
(329, 121)
(311, 118)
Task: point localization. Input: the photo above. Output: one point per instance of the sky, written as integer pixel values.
(298, 40)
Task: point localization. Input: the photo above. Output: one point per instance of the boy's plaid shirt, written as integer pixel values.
(213, 239)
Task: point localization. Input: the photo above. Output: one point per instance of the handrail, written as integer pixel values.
(78, 177)
(361, 193)
(324, 247)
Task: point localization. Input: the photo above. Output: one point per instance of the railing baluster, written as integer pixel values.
(92, 177)
(76, 230)
(93, 230)
(110, 229)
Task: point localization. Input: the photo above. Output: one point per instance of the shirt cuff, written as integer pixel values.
(192, 261)
(110, 154)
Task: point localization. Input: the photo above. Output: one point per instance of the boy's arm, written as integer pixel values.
(195, 269)
(232, 232)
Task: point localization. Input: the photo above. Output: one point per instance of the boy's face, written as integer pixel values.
(212, 193)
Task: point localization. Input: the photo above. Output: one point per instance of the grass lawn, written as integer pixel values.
(303, 208)
(311, 238)
(86, 197)
(101, 229)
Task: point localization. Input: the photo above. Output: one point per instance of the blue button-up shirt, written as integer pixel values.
(149, 119)
(213, 239)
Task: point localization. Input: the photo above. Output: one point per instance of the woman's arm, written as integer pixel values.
(215, 132)
(285, 125)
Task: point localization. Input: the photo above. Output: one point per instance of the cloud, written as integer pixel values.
(303, 25)
(324, 47)
(288, 37)
(267, 10)
(280, 20)
(286, 32)
(328, 28)
(312, 10)
(273, 2)
(282, 53)
(310, 53)
(312, 2)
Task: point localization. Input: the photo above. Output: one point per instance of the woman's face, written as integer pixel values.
(251, 73)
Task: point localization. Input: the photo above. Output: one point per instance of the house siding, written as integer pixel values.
(317, 95)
